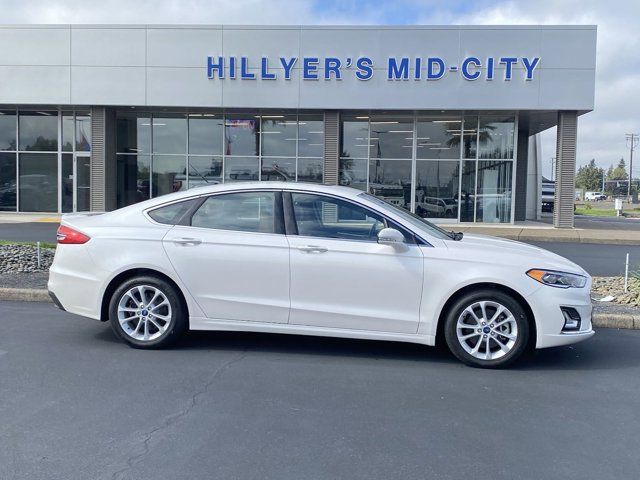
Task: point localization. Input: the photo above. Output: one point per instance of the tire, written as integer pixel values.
(507, 335)
(165, 320)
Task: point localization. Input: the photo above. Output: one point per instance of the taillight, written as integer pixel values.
(70, 236)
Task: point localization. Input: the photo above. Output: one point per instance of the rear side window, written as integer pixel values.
(171, 214)
(242, 212)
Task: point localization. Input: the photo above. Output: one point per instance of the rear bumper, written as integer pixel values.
(73, 284)
(55, 300)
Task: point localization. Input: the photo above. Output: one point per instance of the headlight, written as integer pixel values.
(558, 279)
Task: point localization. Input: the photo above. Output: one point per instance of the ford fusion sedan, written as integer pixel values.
(313, 260)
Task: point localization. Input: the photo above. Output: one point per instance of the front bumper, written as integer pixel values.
(546, 302)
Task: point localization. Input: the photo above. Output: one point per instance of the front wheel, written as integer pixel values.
(487, 328)
(147, 312)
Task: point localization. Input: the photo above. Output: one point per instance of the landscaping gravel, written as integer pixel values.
(24, 259)
(614, 286)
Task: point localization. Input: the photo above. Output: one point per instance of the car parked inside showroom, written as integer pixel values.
(312, 259)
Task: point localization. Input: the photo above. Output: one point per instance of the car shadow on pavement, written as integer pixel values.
(588, 355)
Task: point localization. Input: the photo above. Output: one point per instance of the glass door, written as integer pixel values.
(75, 182)
(83, 183)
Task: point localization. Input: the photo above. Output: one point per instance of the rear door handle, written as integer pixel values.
(187, 241)
(313, 249)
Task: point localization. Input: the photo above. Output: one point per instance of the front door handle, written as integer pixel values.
(187, 241)
(313, 249)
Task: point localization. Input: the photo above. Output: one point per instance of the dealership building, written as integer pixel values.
(439, 120)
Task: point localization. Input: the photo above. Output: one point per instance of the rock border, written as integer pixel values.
(601, 320)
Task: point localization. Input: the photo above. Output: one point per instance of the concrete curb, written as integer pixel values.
(602, 320)
(25, 295)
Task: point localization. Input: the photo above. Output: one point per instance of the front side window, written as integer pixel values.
(242, 212)
(328, 217)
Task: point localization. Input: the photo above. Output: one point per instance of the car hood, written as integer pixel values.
(502, 250)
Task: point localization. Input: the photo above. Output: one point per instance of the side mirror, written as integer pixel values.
(390, 236)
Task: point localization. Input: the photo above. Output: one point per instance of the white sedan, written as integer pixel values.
(313, 260)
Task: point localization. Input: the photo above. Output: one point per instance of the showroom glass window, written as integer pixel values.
(8, 159)
(354, 151)
(38, 161)
(440, 165)
(159, 153)
(35, 175)
(438, 144)
(494, 174)
(75, 165)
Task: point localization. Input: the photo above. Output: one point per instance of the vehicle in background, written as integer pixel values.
(393, 194)
(437, 207)
(548, 194)
(594, 196)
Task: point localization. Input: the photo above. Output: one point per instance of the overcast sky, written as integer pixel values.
(601, 132)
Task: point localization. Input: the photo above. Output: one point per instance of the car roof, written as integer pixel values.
(346, 192)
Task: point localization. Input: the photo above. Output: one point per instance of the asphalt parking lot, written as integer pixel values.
(77, 404)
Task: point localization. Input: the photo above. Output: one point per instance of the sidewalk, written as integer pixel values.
(542, 232)
(30, 217)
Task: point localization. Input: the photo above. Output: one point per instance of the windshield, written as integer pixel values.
(415, 220)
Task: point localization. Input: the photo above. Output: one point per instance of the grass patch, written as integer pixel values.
(32, 244)
(596, 212)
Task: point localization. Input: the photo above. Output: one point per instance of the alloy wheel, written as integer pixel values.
(144, 312)
(487, 330)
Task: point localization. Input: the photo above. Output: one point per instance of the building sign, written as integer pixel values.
(363, 68)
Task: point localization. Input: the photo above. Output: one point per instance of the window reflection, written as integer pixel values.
(239, 169)
(391, 181)
(38, 131)
(241, 135)
(170, 134)
(168, 174)
(7, 130)
(204, 171)
(496, 137)
(438, 138)
(470, 136)
(278, 169)
(353, 173)
(133, 133)
(205, 133)
(7, 181)
(38, 182)
(67, 131)
(310, 170)
(467, 197)
(437, 188)
(494, 191)
(391, 137)
(279, 135)
(354, 136)
(310, 136)
(133, 180)
(83, 132)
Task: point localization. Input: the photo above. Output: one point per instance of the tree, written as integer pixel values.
(589, 176)
(618, 173)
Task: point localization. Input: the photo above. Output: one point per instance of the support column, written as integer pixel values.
(103, 160)
(565, 169)
(331, 146)
(520, 206)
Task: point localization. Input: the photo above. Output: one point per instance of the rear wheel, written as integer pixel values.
(147, 312)
(487, 328)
